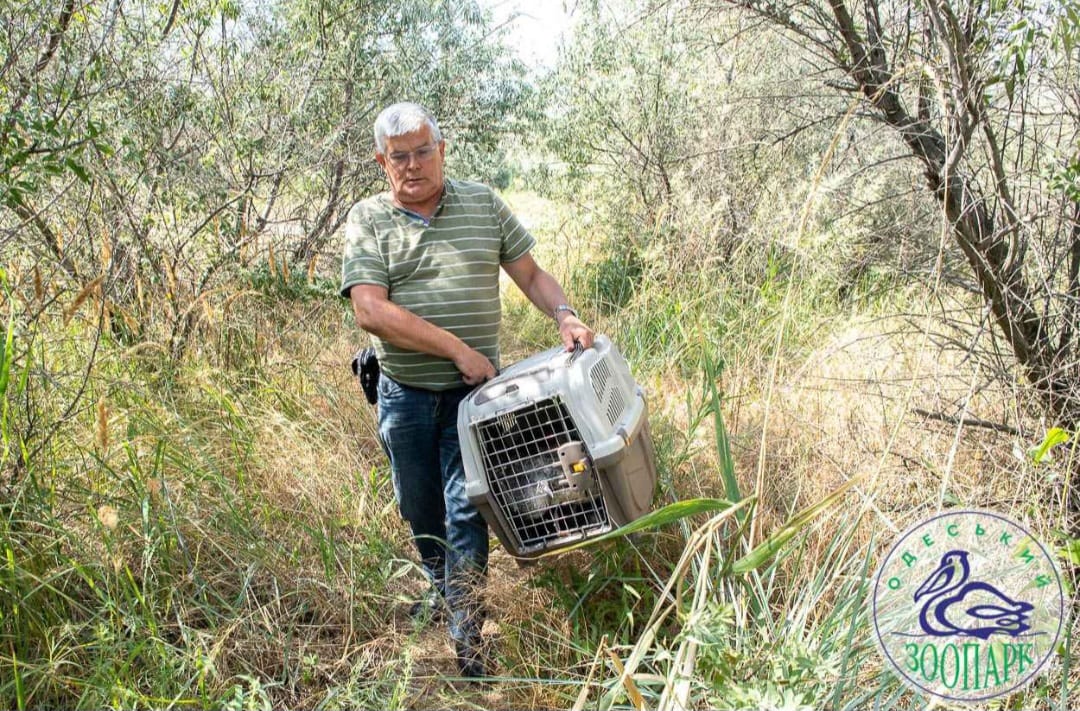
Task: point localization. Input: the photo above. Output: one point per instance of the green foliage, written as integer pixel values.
(1023, 38)
(795, 658)
(609, 283)
(786, 660)
(711, 373)
(789, 676)
(183, 138)
(610, 597)
(290, 284)
(149, 155)
(627, 91)
(1054, 436)
(154, 564)
(660, 517)
(1065, 179)
(7, 356)
(220, 552)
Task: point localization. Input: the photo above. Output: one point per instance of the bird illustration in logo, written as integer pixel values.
(955, 606)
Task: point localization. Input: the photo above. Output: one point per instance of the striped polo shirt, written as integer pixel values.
(445, 271)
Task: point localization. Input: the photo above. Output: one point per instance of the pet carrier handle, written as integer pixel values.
(578, 350)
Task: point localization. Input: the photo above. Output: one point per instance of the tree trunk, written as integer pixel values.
(997, 269)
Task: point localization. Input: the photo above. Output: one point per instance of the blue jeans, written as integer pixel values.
(419, 432)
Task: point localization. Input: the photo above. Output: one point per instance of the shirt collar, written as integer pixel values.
(415, 215)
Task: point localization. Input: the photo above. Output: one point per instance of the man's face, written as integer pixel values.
(413, 163)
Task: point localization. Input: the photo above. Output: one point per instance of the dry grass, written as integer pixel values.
(255, 518)
(857, 395)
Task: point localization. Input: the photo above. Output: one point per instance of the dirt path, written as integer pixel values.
(434, 681)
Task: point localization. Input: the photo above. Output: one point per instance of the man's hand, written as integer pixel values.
(474, 366)
(376, 314)
(572, 329)
(545, 293)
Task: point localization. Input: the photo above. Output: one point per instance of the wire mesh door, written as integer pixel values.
(520, 454)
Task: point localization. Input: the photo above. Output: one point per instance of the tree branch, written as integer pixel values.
(33, 217)
(965, 421)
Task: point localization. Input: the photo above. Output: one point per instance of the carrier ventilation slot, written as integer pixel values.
(601, 374)
(615, 407)
(610, 399)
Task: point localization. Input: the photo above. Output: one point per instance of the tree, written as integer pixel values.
(155, 152)
(180, 134)
(984, 96)
(694, 135)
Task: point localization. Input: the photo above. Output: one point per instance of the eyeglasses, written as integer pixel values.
(400, 159)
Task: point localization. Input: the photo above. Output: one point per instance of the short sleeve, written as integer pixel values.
(362, 260)
(516, 240)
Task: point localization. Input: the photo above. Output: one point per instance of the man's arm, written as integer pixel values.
(546, 294)
(376, 314)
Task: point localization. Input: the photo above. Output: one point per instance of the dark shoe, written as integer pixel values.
(470, 658)
(430, 609)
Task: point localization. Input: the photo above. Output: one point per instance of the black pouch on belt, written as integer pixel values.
(365, 366)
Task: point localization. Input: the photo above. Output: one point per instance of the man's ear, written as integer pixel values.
(381, 160)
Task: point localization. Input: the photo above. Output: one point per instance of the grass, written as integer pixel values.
(209, 545)
(219, 530)
(848, 379)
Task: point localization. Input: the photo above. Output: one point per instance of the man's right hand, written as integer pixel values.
(474, 366)
(376, 314)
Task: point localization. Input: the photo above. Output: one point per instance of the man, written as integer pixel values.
(421, 266)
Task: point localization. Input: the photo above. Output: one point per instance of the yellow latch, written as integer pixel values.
(579, 466)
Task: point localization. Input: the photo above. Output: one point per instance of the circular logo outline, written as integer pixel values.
(1036, 670)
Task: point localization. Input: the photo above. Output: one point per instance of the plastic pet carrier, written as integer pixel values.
(557, 449)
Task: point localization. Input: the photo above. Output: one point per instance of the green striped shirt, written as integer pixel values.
(445, 271)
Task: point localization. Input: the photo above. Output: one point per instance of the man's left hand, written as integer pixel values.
(572, 329)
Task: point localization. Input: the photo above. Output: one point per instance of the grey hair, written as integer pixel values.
(401, 118)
